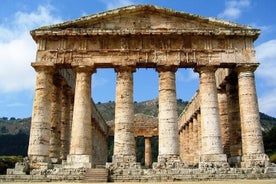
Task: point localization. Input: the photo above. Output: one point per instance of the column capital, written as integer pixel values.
(43, 66)
(164, 68)
(247, 67)
(122, 68)
(203, 69)
(85, 68)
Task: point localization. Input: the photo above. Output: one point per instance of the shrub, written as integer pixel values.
(272, 158)
(8, 162)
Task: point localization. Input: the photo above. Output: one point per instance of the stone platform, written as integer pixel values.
(143, 175)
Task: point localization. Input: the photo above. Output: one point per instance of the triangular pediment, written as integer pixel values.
(146, 19)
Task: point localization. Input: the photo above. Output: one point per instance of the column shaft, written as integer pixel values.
(223, 114)
(210, 122)
(168, 128)
(55, 141)
(65, 122)
(124, 140)
(253, 148)
(199, 134)
(190, 142)
(181, 143)
(234, 121)
(211, 135)
(81, 134)
(148, 158)
(195, 140)
(186, 143)
(38, 150)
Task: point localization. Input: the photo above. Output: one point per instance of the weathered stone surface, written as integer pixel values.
(65, 129)
(234, 120)
(253, 148)
(124, 140)
(168, 129)
(210, 122)
(55, 142)
(148, 157)
(38, 150)
(81, 126)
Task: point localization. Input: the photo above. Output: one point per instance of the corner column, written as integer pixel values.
(81, 134)
(252, 140)
(38, 151)
(124, 140)
(212, 152)
(168, 128)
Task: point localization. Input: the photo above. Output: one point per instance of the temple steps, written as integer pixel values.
(96, 175)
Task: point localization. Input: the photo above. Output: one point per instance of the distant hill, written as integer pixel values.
(14, 133)
(13, 126)
(149, 107)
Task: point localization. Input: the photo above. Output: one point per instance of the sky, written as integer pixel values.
(18, 50)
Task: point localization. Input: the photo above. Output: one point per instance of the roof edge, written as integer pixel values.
(108, 13)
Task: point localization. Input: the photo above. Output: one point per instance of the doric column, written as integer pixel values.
(55, 141)
(252, 141)
(181, 143)
(210, 123)
(199, 134)
(195, 140)
(223, 114)
(81, 135)
(148, 158)
(124, 140)
(71, 105)
(186, 143)
(190, 142)
(234, 120)
(38, 150)
(168, 128)
(65, 122)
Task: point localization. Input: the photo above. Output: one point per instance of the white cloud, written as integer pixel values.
(111, 4)
(17, 49)
(266, 55)
(267, 103)
(233, 9)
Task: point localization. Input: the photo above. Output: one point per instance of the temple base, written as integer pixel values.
(169, 162)
(39, 162)
(255, 160)
(78, 161)
(213, 160)
(123, 158)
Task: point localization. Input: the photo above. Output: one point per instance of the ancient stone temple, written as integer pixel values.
(219, 128)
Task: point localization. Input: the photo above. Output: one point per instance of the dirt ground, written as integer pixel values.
(272, 181)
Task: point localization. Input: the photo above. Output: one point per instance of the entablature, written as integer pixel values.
(146, 58)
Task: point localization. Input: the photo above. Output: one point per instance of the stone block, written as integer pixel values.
(78, 161)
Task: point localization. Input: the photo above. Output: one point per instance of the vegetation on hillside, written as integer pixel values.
(149, 107)
(270, 143)
(8, 162)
